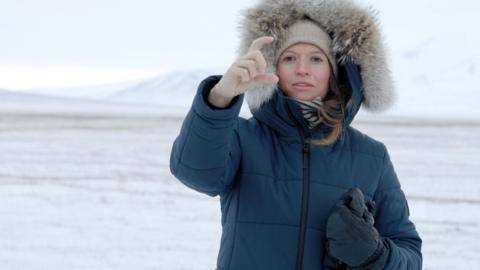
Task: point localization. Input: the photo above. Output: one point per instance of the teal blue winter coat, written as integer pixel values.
(276, 189)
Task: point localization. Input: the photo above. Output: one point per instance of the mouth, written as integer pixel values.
(302, 85)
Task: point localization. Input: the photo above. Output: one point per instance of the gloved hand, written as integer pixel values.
(351, 236)
(331, 263)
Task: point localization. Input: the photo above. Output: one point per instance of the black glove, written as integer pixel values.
(351, 236)
(331, 263)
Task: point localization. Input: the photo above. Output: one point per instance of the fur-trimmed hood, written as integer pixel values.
(356, 39)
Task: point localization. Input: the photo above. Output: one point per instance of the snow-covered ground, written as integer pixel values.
(95, 192)
(84, 172)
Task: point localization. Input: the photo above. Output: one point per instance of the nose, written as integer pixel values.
(302, 68)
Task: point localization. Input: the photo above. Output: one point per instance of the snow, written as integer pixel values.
(33, 104)
(432, 53)
(433, 57)
(95, 192)
(85, 180)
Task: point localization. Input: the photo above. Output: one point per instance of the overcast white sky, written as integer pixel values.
(63, 42)
(59, 43)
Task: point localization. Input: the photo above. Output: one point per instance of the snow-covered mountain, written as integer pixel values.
(433, 55)
(172, 92)
(169, 93)
(172, 88)
(423, 91)
(12, 102)
(434, 59)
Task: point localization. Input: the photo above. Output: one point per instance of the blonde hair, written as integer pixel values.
(332, 110)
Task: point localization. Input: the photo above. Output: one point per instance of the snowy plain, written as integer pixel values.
(84, 172)
(85, 180)
(95, 192)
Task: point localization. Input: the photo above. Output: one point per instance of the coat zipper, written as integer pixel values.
(305, 198)
(305, 191)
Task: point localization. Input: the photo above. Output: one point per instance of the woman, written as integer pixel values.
(299, 187)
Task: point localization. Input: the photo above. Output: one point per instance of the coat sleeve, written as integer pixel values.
(206, 154)
(393, 223)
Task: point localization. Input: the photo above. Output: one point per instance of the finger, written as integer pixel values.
(250, 66)
(242, 73)
(372, 207)
(369, 218)
(259, 59)
(353, 193)
(258, 43)
(354, 200)
(266, 78)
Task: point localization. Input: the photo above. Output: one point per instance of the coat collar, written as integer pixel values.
(284, 115)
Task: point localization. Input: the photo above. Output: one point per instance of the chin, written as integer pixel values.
(304, 97)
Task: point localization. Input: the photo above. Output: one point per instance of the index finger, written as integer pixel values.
(258, 43)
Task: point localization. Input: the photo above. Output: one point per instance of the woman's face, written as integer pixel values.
(303, 71)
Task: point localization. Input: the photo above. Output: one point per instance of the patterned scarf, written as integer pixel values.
(310, 111)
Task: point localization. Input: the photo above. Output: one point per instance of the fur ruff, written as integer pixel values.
(355, 34)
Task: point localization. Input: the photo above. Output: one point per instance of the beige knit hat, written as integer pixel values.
(306, 31)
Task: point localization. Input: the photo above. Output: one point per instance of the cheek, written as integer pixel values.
(323, 75)
(283, 76)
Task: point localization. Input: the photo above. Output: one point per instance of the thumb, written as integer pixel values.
(353, 199)
(266, 78)
(368, 216)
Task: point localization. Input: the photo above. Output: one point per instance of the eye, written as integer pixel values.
(317, 59)
(288, 58)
